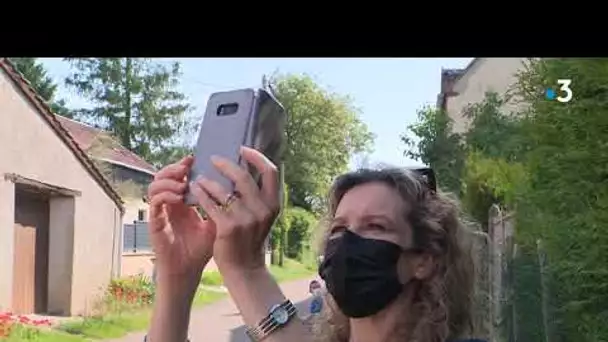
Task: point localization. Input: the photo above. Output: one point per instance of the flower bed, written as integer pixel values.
(8, 322)
(134, 291)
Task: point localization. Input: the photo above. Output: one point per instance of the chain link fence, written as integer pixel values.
(512, 287)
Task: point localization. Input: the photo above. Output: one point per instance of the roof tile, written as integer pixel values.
(86, 136)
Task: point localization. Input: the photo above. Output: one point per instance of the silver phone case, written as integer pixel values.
(259, 122)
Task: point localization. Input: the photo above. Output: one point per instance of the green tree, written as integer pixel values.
(301, 226)
(493, 133)
(431, 140)
(494, 145)
(487, 181)
(136, 100)
(38, 77)
(323, 133)
(566, 202)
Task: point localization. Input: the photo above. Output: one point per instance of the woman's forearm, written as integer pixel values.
(254, 293)
(172, 306)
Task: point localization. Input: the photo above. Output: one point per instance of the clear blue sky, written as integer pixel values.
(387, 91)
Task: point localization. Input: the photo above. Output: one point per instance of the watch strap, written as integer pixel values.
(146, 339)
(268, 324)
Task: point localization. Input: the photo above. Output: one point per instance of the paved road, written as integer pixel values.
(221, 322)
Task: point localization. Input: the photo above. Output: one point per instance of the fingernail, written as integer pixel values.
(215, 159)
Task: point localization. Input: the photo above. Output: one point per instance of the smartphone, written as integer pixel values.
(245, 117)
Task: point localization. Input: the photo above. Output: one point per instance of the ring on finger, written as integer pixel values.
(229, 200)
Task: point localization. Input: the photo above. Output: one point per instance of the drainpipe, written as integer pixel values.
(115, 269)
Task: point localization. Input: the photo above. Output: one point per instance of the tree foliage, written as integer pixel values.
(487, 181)
(431, 140)
(566, 202)
(136, 100)
(323, 133)
(547, 163)
(299, 235)
(480, 164)
(494, 146)
(38, 77)
(493, 133)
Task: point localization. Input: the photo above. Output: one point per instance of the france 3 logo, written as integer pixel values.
(563, 94)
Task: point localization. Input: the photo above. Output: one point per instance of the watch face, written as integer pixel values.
(280, 315)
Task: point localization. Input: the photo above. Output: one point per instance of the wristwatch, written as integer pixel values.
(278, 316)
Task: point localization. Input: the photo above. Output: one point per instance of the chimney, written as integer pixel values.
(448, 79)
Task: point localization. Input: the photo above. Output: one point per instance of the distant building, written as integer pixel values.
(130, 174)
(462, 87)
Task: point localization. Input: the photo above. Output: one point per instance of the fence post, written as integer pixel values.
(512, 295)
(544, 290)
(134, 236)
(483, 301)
(495, 218)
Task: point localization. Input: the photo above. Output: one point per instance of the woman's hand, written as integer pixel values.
(242, 226)
(182, 240)
(245, 221)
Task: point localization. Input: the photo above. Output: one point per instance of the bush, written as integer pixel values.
(301, 226)
(487, 181)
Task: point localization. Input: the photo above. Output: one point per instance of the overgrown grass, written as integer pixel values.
(30, 334)
(291, 270)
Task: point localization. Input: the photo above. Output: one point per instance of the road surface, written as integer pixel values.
(221, 322)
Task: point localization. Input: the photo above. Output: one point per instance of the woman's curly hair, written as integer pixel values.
(442, 304)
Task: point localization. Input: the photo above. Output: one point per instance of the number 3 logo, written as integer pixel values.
(565, 88)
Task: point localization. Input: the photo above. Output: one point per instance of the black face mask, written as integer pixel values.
(361, 273)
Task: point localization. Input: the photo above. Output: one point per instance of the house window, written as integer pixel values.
(136, 238)
(141, 215)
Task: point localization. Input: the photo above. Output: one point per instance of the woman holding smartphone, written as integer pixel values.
(395, 264)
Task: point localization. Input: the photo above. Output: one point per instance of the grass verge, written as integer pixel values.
(111, 325)
(291, 270)
(117, 325)
(27, 334)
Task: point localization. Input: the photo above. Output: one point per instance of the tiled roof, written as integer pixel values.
(86, 136)
(43, 109)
